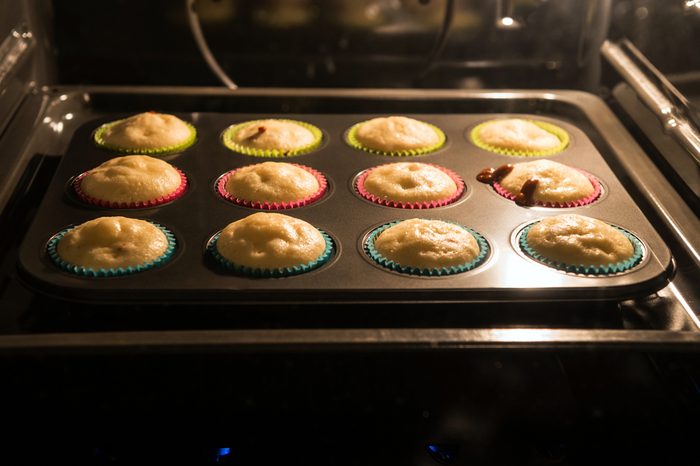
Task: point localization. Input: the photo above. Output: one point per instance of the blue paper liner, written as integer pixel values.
(270, 273)
(111, 272)
(352, 140)
(371, 251)
(596, 270)
(100, 142)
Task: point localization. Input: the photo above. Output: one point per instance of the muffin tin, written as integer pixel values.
(194, 218)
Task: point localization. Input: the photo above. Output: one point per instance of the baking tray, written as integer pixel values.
(349, 276)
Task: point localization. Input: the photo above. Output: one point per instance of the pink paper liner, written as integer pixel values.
(560, 205)
(322, 186)
(360, 187)
(77, 181)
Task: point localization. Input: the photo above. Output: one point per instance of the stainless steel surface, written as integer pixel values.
(13, 50)
(300, 340)
(670, 116)
(668, 151)
(349, 276)
(666, 320)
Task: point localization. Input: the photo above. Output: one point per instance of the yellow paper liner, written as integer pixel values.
(229, 134)
(100, 142)
(352, 140)
(560, 133)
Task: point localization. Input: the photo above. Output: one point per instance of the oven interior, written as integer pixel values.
(430, 380)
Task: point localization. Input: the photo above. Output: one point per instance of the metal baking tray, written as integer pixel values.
(189, 277)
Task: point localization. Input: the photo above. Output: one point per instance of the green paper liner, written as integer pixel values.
(582, 269)
(230, 143)
(52, 251)
(270, 273)
(352, 140)
(560, 133)
(99, 141)
(375, 255)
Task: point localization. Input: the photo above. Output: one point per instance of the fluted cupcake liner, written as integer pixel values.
(266, 272)
(352, 140)
(560, 133)
(582, 269)
(360, 187)
(597, 190)
(52, 250)
(230, 142)
(99, 140)
(77, 188)
(266, 205)
(375, 255)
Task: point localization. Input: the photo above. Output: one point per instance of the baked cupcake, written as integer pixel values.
(267, 244)
(111, 246)
(579, 244)
(131, 181)
(272, 138)
(542, 183)
(146, 133)
(396, 135)
(272, 185)
(426, 247)
(520, 137)
(410, 185)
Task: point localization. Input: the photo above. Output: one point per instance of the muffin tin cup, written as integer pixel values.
(229, 135)
(77, 189)
(375, 255)
(98, 138)
(597, 191)
(52, 251)
(360, 188)
(266, 205)
(560, 133)
(581, 269)
(281, 272)
(351, 139)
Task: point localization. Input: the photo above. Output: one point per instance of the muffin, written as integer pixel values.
(269, 244)
(581, 244)
(110, 246)
(131, 181)
(542, 183)
(516, 136)
(426, 247)
(272, 138)
(396, 135)
(146, 133)
(410, 185)
(272, 185)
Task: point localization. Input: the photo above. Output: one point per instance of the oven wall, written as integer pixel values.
(335, 43)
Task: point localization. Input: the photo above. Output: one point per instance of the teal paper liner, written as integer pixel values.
(433, 272)
(608, 269)
(271, 273)
(118, 272)
(99, 141)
